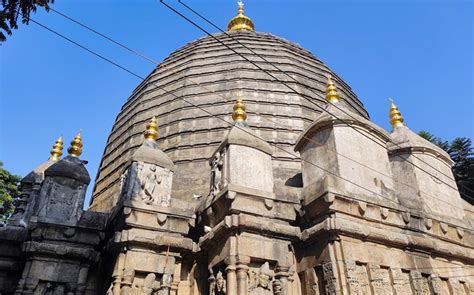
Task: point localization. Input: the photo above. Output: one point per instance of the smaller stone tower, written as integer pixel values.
(60, 247)
(147, 228)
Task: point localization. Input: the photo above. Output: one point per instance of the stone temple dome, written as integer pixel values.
(208, 74)
(200, 190)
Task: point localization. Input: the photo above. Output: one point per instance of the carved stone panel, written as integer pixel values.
(420, 283)
(357, 278)
(330, 280)
(439, 286)
(401, 282)
(380, 280)
(147, 183)
(260, 282)
(218, 177)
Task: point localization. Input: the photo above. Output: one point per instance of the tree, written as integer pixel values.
(8, 192)
(462, 154)
(13, 9)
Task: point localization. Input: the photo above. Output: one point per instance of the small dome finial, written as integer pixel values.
(396, 118)
(151, 132)
(75, 149)
(240, 22)
(57, 150)
(331, 91)
(239, 114)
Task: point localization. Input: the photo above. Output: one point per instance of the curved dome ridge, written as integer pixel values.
(208, 74)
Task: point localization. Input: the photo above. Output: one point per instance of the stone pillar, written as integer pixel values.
(231, 277)
(176, 279)
(127, 280)
(242, 270)
(281, 275)
(165, 284)
(116, 285)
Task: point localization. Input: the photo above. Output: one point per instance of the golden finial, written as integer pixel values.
(57, 150)
(75, 149)
(151, 132)
(239, 114)
(240, 22)
(396, 118)
(331, 91)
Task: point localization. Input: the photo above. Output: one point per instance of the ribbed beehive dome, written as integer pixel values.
(208, 74)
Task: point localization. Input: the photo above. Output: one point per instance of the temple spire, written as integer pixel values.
(151, 132)
(240, 22)
(239, 115)
(75, 149)
(396, 118)
(57, 150)
(331, 91)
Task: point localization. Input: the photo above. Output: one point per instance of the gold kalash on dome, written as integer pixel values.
(240, 22)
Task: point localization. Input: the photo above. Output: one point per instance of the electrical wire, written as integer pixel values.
(225, 121)
(141, 55)
(289, 87)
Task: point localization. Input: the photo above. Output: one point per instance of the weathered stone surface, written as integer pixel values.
(220, 211)
(189, 136)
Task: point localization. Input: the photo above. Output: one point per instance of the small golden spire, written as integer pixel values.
(331, 91)
(396, 118)
(239, 114)
(240, 22)
(75, 149)
(151, 132)
(57, 150)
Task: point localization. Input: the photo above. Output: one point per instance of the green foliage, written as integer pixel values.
(8, 192)
(12, 9)
(461, 152)
(436, 140)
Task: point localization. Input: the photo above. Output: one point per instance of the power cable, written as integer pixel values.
(225, 121)
(284, 83)
(225, 99)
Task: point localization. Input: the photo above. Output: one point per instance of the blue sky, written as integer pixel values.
(419, 52)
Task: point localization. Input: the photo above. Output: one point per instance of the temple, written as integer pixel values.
(218, 178)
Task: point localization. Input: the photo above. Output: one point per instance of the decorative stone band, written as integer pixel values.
(250, 223)
(154, 239)
(60, 250)
(402, 240)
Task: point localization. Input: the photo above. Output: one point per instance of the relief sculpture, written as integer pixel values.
(151, 184)
(217, 164)
(261, 283)
(220, 284)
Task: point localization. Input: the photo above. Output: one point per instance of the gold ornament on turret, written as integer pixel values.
(239, 114)
(240, 22)
(151, 132)
(396, 118)
(331, 91)
(57, 150)
(75, 149)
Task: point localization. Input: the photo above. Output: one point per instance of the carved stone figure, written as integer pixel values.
(165, 189)
(216, 172)
(220, 284)
(264, 280)
(149, 185)
(123, 182)
(149, 284)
